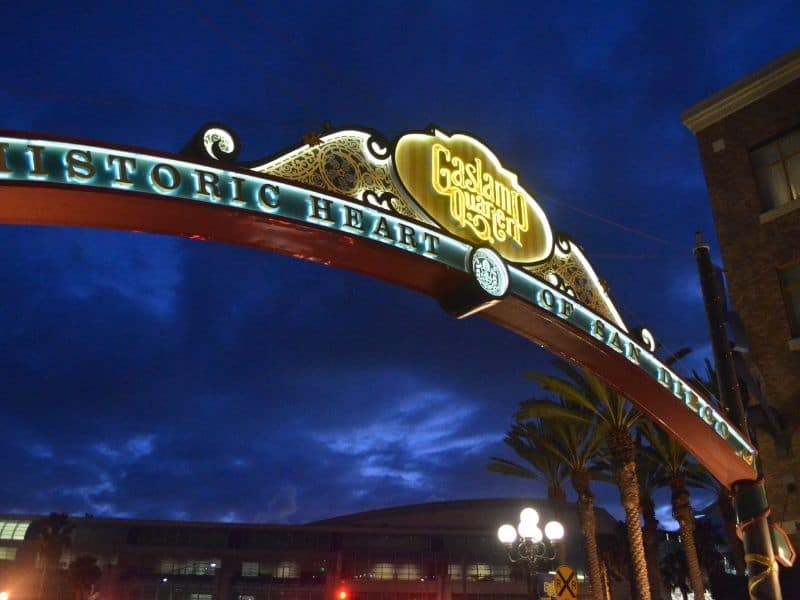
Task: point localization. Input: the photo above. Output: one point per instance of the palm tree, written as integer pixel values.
(708, 382)
(525, 440)
(571, 447)
(592, 402)
(83, 574)
(649, 474)
(52, 537)
(678, 468)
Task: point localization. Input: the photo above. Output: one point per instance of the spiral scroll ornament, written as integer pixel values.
(220, 144)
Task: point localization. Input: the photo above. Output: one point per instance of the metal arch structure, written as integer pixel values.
(348, 199)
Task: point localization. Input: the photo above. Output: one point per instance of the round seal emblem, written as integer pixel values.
(490, 272)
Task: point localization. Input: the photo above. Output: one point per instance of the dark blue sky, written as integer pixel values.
(156, 377)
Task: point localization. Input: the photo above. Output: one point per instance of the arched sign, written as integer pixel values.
(433, 212)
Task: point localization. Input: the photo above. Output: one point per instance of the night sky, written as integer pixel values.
(156, 377)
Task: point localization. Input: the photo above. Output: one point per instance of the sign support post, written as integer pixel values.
(750, 498)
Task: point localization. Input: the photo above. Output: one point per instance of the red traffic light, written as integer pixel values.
(342, 594)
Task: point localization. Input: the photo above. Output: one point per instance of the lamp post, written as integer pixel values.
(528, 544)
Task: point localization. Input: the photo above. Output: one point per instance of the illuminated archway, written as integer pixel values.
(434, 213)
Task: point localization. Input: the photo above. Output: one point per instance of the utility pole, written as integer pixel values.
(749, 496)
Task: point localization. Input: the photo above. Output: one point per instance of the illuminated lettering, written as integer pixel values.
(120, 165)
(599, 330)
(320, 209)
(407, 236)
(353, 219)
(431, 243)
(269, 197)
(633, 353)
(79, 164)
(664, 377)
(36, 155)
(206, 180)
(565, 308)
(236, 188)
(382, 230)
(615, 343)
(171, 182)
(546, 299)
(3, 165)
(488, 207)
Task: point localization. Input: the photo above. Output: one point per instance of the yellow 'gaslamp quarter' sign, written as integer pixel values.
(460, 183)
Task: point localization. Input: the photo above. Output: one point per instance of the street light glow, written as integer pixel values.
(507, 534)
(529, 515)
(526, 529)
(3, 595)
(554, 530)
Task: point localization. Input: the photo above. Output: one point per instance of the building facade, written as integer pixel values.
(748, 135)
(437, 551)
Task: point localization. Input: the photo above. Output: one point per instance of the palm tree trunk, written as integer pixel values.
(682, 510)
(589, 532)
(650, 535)
(623, 451)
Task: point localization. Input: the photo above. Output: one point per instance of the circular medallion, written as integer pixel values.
(340, 172)
(490, 272)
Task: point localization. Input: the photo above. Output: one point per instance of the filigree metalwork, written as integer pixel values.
(535, 555)
(350, 163)
(358, 164)
(568, 271)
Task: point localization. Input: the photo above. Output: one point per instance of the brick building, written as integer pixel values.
(749, 140)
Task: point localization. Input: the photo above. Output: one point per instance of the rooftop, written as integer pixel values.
(747, 90)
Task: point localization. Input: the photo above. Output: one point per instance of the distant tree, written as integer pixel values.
(591, 401)
(566, 448)
(678, 469)
(83, 574)
(674, 571)
(709, 383)
(649, 472)
(526, 440)
(53, 535)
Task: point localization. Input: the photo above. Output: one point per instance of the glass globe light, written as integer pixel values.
(526, 529)
(507, 534)
(537, 534)
(554, 530)
(529, 514)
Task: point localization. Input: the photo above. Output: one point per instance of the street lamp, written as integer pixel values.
(529, 545)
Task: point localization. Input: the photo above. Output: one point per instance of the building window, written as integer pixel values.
(382, 571)
(454, 571)
(8, 553)
(790, 284)
(249, 569)
(287, 570)
(501, 573)
(408, 572)
(777, 170)
(13, 530)
(201, 596)
(170, 566)
(479, 571)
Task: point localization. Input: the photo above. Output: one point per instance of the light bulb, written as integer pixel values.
(536, 534)
(554, 530)
(526, 529)
(507, 534)
(529, 514)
